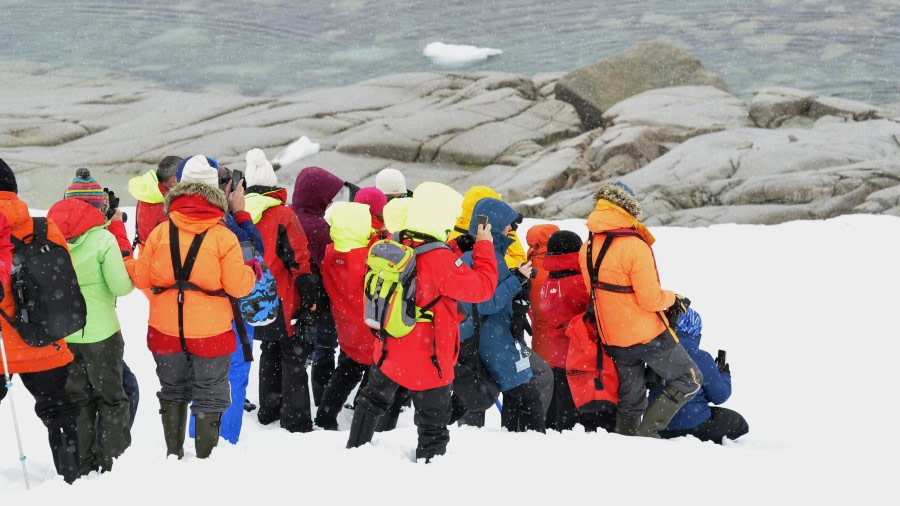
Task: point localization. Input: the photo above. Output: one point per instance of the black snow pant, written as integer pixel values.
(345, 378)
(722, 423)
(58, 412)
(431, 416)
(523, 408)
(284, 385)
(566, 415)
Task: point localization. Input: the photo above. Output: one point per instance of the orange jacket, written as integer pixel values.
(219, 266)
(537, 238)
(22, 357)
(625, 319)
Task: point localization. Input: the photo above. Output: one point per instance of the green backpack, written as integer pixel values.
(390, 288)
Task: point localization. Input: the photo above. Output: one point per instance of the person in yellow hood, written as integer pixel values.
(149, 189)
(515, 255)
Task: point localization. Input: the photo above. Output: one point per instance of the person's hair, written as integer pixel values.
(167, 168)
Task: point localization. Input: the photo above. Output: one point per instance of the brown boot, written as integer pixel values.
(660, 412)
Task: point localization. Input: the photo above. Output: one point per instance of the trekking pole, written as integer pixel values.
(8, 378)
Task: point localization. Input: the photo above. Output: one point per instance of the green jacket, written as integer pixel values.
(98, 264)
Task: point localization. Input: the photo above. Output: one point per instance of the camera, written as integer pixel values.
(113, 205)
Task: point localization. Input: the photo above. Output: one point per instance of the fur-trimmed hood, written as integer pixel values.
(619, 196)
(213, 195)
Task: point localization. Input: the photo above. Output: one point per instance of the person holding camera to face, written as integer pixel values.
(698, 418)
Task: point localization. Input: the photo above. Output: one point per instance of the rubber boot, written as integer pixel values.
(64, 445)
(660, 412)
(362, 430)
(321, 375)
(627, 425)
(174, 421)
(206, 430)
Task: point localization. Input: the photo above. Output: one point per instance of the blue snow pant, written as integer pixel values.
(239, 377)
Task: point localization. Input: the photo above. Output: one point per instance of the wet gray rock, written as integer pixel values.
(594, 88)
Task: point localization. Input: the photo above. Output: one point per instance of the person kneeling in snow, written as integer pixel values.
(697, 418)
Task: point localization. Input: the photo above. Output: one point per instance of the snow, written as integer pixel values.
(300, 148)
(806, 310)
(453, 54)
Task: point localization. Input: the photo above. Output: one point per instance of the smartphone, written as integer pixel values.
(236, 176)
(720, 360)
(481, 219)
(247, 250)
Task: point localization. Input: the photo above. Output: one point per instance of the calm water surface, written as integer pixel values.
(272, 47)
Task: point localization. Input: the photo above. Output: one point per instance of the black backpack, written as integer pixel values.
(49, 304)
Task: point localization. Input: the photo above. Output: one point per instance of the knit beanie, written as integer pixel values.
(690, 323)
(199, 168)
(625, 187)
(86, 188)
(391, 182)
(563, 241)
(373, 197)
(259, 171)
(7, 179)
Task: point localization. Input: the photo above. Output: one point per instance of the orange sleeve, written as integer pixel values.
(237, 278)
(645, 279)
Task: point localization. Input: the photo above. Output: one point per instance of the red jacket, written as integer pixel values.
(286, 252)
(148, 216)
(561, 298)
(22, 357)
(537, 238)
(343, 274)
(439, 272)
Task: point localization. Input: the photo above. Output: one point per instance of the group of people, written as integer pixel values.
(477, 293)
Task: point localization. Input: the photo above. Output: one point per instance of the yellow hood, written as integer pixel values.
(471, 198)
(351, 225)
(433, 210)
(394, 214)
(145, 188)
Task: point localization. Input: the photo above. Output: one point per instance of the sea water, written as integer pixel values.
(275, 47)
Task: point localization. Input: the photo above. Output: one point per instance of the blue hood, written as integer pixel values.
(690, 327)
(499, 216)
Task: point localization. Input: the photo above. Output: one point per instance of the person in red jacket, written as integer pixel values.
(562, 297)
(149, 190)
(43, 370)
(285, 350)
(343, 273)
(423, 361)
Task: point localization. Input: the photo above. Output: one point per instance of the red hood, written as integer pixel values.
(75, 217)
(564, 262)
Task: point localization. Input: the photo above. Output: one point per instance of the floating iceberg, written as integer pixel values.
(452, 54)
(301, 148)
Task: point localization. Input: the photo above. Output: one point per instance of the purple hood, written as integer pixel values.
(313, 191)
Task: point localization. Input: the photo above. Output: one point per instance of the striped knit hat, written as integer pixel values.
(86, 188)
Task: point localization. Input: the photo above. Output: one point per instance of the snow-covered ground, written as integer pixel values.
(808, 312)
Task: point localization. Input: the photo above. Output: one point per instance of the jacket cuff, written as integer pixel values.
(242, 217)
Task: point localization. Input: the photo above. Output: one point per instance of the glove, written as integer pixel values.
(726, 369)
(113, 203)
(308, 286)
(465, 242)
(678, 308)
(253, 263)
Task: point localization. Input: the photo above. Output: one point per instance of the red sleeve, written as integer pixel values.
(298, 244)
(472, 285)
(6, 249)
(117, 228)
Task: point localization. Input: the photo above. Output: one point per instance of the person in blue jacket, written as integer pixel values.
(240, 223)
(697, 418)
(507, 359)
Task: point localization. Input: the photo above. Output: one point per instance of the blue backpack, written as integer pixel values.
(262, 305)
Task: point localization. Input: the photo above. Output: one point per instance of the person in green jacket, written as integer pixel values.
(95, 376)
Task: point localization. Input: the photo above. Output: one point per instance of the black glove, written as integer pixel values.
(726, 369)
(113, 203)
(465, 242)
(677, 309)
(308, 286)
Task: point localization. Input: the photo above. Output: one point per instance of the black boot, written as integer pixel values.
(627, 425)
(174, 421)
(64, 446)
(362, 430)
(660, 412)
(206, 433)
(321, 375)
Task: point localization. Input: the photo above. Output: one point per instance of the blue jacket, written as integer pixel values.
(245, 232)
(716, 387)
(499, 351)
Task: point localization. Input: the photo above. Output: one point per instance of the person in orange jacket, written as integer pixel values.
(633, 313)
(190, 329)
(43, 370)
